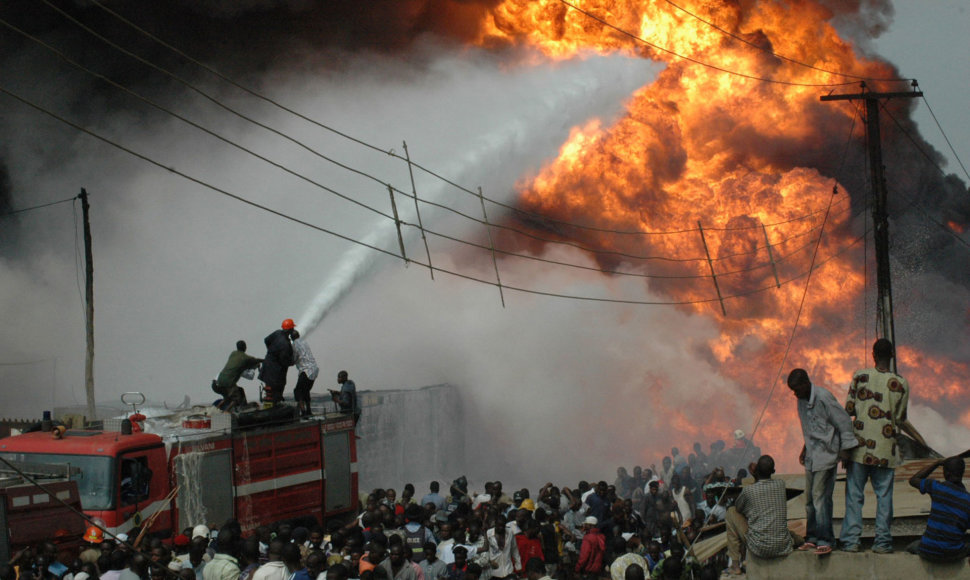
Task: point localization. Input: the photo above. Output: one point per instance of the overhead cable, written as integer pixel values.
(43, 205)
(694, 60)
(740, 38)
(912, 139)
(945, 138)
(505, 252)
(744, 294)
(25, 363)
(391, 153)
(186, 176)
(913, 201)
(192, 123)
(801, 304)
(204, 94)
(298, 175)
(352, 240)
(791, 336)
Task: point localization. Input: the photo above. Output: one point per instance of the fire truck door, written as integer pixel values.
(142, 489)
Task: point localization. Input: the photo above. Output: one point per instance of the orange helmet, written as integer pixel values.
(288, 324)
(94, 535)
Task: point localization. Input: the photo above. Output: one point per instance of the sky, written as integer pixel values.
(182, 271)
(928, 41)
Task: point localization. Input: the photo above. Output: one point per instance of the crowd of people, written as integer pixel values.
(585, 533)
(647, 524)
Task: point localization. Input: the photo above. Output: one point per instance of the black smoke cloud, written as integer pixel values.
(241, 39)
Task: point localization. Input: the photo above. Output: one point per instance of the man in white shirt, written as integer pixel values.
(503, 553)
(274, 569)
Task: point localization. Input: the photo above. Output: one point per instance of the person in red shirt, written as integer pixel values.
(528, 543)
(593, 549)
(390, 500)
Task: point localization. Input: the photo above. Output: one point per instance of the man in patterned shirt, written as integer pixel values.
(877, 402)
(758, 519)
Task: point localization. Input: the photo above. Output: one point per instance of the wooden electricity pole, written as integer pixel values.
(89, 306)
(885, 327)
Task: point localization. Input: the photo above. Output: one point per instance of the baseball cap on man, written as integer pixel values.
(200, 531)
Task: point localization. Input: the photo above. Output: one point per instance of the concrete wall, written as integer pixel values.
(843, 565)
(411, 436)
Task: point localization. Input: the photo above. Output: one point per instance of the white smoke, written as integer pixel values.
(181, 273)
(497, 147)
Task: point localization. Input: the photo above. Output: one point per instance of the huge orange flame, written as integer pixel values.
(752, 162)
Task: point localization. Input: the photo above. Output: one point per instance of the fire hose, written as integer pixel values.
(151, 519)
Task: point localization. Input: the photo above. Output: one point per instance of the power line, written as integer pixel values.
(639, 275)
(913, 201)
(363, 143)
(189, 177)
(191, 123)
(549, 240)
(791, 336)
(694, 60)
(947, 139)
(912, 139)
(551, 220)
(801, 304)
(43, 205)
(231, 143)
(198, 91)
(202, 128)
(638, 257)
(365, 244)
(655, 303)
(150, 102)
(775, 54)
(236, 84)
(505, 252)
(25, 363)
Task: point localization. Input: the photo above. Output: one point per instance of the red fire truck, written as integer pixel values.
(259, 467)
(31, 515)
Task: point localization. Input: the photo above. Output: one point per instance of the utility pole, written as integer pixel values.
(89, 306)
(885, 327)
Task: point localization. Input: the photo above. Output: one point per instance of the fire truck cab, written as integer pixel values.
(167, 475)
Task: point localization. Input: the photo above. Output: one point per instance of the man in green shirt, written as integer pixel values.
(225, 384)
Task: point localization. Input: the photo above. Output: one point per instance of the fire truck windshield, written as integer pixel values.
(96, 480)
